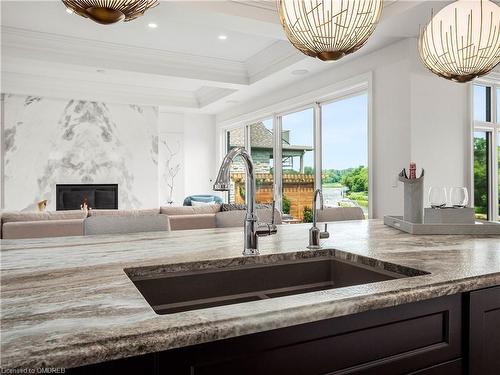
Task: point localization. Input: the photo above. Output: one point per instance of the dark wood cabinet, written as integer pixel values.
(421, 338)
(452, 335)
(484, 332)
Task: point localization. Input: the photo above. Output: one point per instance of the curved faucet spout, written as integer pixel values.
(223, 183)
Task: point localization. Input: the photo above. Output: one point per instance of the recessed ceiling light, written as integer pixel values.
(152, 25)
(222, 37)
(69, 11)
(300, 72)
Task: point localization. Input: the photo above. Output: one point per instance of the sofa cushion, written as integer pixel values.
(114, 224)
(196, 203)
(16, 216)
(42, 228)
(197, 221)
(190, 210)
(340, 214)
(147, 211)
(236, 218)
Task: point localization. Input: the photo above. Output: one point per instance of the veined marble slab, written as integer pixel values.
(54, 141)
(67, 302)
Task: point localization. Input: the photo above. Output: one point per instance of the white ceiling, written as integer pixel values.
(181, 65)
(188, 30)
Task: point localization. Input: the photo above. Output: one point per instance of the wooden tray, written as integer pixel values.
(479, 228)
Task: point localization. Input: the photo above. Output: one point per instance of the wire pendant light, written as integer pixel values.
(329, 29)
(110, 11)
(462, 41)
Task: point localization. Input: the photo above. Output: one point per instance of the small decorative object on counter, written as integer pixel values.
(449, 215)
(413, 195)
(437, 197)
(459, 197)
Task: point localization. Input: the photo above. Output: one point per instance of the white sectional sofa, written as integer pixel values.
(17, 225)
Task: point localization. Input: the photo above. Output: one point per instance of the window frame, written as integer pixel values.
(315, 100)
(491, 127)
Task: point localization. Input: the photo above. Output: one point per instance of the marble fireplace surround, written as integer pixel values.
(55, 141)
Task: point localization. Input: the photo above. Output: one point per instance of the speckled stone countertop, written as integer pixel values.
(68, 302)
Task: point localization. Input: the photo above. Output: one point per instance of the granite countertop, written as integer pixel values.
(67, 302)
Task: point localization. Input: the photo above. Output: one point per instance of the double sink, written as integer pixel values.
(191, 286)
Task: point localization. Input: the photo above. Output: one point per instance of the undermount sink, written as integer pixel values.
(208, 284)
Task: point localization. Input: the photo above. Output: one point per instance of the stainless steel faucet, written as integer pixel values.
(253, 229)
(315, 234)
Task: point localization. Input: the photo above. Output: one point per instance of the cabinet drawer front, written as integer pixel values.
(389, 341)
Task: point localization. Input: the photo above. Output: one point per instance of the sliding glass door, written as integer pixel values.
(297, 152)
(345, 152)
(261, 148)
(324, 145)
(236, 138)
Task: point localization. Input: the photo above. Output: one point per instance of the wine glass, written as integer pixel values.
(459, 197)
(437, 197)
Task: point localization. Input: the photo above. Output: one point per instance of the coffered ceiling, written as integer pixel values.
(182, 64)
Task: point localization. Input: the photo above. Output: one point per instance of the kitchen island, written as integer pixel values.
(68, 302)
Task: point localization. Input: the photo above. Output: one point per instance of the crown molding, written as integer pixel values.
(208, 95)
(27, 84)
(80, 51)
(272, 59)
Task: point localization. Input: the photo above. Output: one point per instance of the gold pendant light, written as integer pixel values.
(462, 41)
(110, 11)
(329, 29)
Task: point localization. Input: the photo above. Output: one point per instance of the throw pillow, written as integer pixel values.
(195, 203)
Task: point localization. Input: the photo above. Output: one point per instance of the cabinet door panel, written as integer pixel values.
(484, 332)
(390, 341)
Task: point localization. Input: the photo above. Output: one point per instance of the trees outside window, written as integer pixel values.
(486, 150)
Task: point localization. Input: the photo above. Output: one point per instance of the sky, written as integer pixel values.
(479, 103)
(344, 133)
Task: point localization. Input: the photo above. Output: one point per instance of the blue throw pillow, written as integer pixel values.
(201, 198)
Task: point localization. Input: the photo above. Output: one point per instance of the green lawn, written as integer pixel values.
(332, 185)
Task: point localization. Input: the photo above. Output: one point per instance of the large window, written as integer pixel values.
(262, 151)
(345, 152)
(258, 137)
(481, 174)
(322, 145)
(486, 149)
(236, 138)
(297, 153)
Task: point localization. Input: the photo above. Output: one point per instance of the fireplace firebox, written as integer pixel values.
(72, 196)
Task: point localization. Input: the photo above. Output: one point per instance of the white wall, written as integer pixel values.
(198, 156)
(440, 129)
(410, 106)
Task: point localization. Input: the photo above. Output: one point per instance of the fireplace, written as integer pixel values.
(71, 197)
